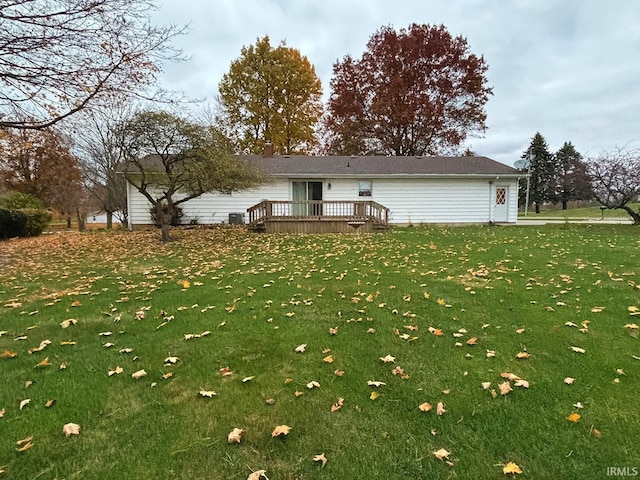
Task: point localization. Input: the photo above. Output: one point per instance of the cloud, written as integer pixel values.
(566, 69)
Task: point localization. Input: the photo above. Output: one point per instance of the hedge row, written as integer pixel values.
(26, 222)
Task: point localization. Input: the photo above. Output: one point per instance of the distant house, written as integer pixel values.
(350, 189)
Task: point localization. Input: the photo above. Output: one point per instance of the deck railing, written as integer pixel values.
(347, 210)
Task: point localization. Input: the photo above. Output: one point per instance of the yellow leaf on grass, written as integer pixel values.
(138, 375)
(281, 430)
(24, 444)
(301, 348)
(441, 454)
(388, 359)
(574, 417)
(505, 388)
(43, 363)
(578, 349)
(258, 475)
(374, 395)
(207, 393)
(440, 409)
(24, 403)
(511, 468)
(522, 355)
(235, 436)
(320, 458)
(71, 429)
(68, 323)
(328, 359)
(425, 407)
(8, 354)
(472, 341)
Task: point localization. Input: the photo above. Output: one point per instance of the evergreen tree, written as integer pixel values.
(573, 181)
(543, 171)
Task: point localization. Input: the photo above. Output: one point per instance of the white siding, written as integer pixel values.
(211, 207)
(415, 201)
(410, 201)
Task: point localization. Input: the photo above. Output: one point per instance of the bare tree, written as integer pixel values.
(97, 142)
(58, 57)
(616, 180)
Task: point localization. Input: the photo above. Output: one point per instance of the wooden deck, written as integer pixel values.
(315, 216)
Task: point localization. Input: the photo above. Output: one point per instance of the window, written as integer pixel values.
(501, 196)
(364, 188)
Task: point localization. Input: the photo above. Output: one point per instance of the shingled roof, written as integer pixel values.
(378, 166)
(310, 166)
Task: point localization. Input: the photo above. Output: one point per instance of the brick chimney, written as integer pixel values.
(268, 150)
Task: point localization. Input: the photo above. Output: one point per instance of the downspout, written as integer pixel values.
(491, 202)
(129, 215)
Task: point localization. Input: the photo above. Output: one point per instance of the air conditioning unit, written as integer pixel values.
(236, 218)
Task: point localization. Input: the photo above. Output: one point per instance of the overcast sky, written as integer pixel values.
(569, 69)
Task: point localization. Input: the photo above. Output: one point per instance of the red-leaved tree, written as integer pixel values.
(417, 91)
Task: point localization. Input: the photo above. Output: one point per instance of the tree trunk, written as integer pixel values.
(537, 207)
(109, 220)
(68, 222)
(635, 215)
(164, 219)
(564, 204)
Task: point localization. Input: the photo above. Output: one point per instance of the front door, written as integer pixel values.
(501, 204)
(303, 193)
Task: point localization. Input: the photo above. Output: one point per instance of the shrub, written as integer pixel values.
(37, 221)
(13, 223)
(19, 200)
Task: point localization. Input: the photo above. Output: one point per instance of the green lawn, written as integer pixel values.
(223, 311)
(594, 212)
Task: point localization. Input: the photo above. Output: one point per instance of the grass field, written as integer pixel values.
(592, 213)
(215, 318)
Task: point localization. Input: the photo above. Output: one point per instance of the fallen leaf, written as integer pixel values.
(24, 444)
(511, 468)
(441, 454)
(522, 355)
(2, 412)
(521, 383)
(578, 349)
(338, 405)
(68, 323)
(225, 372)
(375, 384)
(24, 403)
(8, 354)
(440, 409)
(139, 374)
(328, 359)
(49, 403)
(280, 430)
(248, 379)
(235, 436)
(486, 385)
(472, 341)
(569, 380)
(171, 360)
(258, 475)
(43, 363)
(505, 388)
(301, 348)
(320, 458)
(388, 359)
(116, 371)
(207, 393)
(313, 384)
(425, 407)
(574, 417)
(374, 395)
(71, 429)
